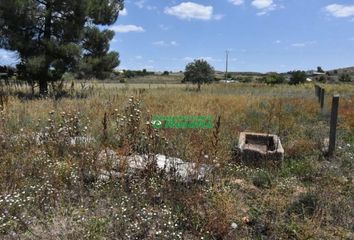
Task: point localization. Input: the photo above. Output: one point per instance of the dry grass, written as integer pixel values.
(49, 187)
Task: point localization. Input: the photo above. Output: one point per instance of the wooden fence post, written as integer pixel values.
(317, 91)
(333, 125)
(322, 97)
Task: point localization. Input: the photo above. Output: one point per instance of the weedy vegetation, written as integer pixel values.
(51, 184)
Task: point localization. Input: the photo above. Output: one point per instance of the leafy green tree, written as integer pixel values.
(297, 77)
(274, 78)
(48, 34)
(345, 77)
(97, 61)
(199, 72)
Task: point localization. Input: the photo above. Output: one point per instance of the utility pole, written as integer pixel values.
(227, 63)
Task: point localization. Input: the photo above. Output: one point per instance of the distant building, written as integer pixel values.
(313, 73)
(229, 81)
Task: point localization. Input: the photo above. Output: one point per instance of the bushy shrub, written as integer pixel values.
(274, 78)
(297, 77)
(345, 77)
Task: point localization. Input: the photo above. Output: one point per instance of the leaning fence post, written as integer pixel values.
(333, 125)
(322, 96)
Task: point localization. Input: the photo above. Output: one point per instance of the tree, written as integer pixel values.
(297, 77)
(199, 72)
(97, 61)
(345, 77)
(48, 34)
(274, 78)
(319, 69)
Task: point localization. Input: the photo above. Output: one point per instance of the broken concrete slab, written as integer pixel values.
(260, 149)
(175, 168)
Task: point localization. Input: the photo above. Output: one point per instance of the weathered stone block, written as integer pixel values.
(260, 149)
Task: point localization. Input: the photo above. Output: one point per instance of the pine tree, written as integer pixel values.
(48, 34)
(97, 61)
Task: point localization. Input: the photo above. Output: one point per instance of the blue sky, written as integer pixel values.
(261, 35)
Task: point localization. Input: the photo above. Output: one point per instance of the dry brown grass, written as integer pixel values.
(50, 190)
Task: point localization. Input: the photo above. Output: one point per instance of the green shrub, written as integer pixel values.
(274, 78)
(345, 77)
(297, 77)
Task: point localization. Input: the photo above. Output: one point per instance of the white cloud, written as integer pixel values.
(190, 10)
(237, 2)
(265, 6)
(303, 44)
(138, 57)
(165, 44)
(277, 41)
(262, 4)
(127, 28)
(140, 3)
(338, 10)
(123, 12)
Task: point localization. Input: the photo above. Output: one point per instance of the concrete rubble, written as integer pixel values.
(112, 165)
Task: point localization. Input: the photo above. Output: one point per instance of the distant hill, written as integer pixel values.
(349, 70)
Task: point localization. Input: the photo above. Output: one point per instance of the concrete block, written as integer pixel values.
(260, 149)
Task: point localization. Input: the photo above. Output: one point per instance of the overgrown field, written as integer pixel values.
(50, 184)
